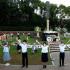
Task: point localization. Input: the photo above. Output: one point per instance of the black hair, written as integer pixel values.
(45, 42)
(62, 42)
(5, 43)
(24, 40)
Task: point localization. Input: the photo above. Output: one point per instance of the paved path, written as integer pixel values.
(55, 58)
(34, 67)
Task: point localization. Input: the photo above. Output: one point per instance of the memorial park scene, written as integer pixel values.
(34, 35)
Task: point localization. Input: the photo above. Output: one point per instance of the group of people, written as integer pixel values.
(24, 46)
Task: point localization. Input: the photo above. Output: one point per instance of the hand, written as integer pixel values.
(37, 42)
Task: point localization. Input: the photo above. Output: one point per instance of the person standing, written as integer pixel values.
(62, 53)
(44, 51)
(24, 47)
(6, 54)
(44, 56)
(33, 48)
(18, 47)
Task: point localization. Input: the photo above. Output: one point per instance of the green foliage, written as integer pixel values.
(21, 14)
(16, 58)
(53, 19)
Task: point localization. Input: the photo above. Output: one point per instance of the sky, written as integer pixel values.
(58, 2)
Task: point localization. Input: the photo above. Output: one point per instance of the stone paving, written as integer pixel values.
(55, 58)
(34, 67)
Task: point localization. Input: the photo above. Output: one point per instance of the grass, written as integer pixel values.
(65, 40)
(16, 58)
(34, 59)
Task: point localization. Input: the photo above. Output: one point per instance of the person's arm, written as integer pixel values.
(38, 42)
(1, 45)
(48, 48)
(14, 44)
(27, 45)
(18, 40)
(9, 47)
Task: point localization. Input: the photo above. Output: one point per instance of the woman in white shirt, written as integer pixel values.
(6, 54)
(44, 56)
(44, 51)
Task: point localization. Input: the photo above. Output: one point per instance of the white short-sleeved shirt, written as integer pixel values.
(44, 49)
(62, 47)
(5, 48)
(23, 47)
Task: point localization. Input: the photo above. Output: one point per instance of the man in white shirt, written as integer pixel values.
(24, 53)
(62, 53)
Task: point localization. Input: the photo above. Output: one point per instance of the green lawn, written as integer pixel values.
(65, 40)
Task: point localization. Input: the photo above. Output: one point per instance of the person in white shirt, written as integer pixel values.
(18, 47)
(62, 53)
(6, 54)
(33, 48)
(44, 56)
(24, 47)
(44, 51)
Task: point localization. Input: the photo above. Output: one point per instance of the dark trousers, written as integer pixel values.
(62, 56)
(24, 59)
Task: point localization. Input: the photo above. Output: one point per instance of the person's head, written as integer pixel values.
(45, 43)
(5, 43)
(62, 42)
(24, 41)
(18, 38)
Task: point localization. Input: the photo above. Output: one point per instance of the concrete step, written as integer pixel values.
(56, 49)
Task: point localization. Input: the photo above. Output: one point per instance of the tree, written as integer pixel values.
(52, 18)
(21, 13)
